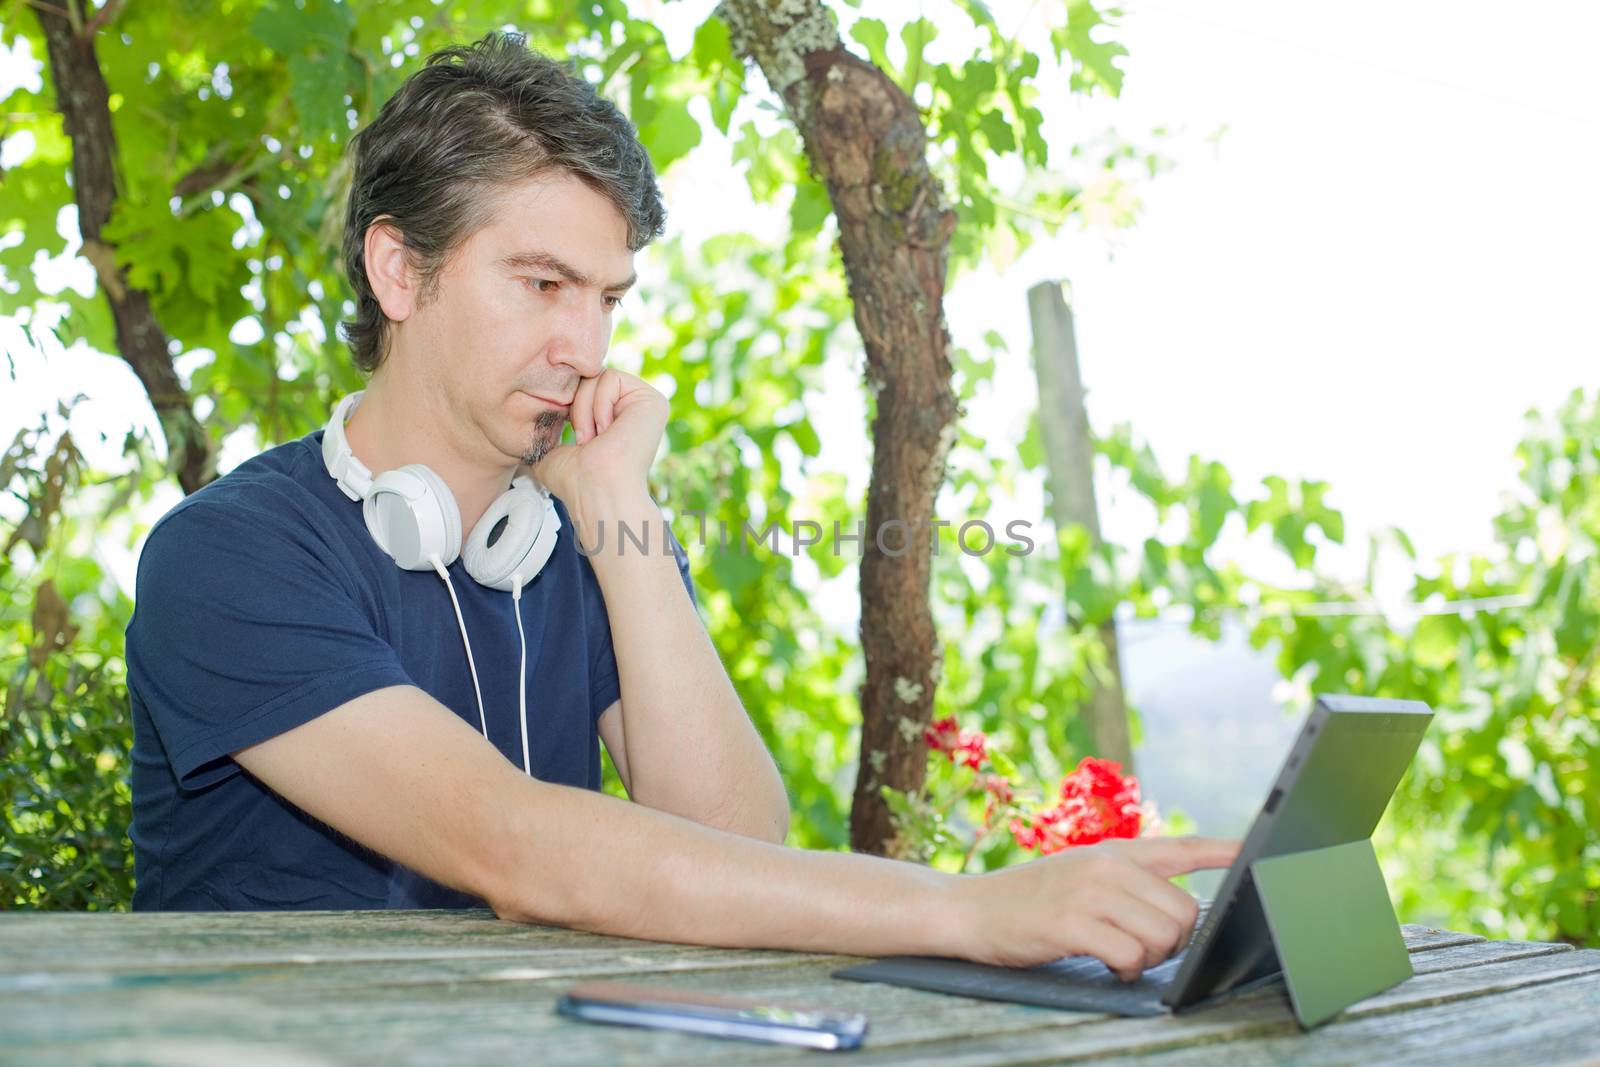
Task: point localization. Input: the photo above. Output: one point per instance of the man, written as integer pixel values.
(306, 735)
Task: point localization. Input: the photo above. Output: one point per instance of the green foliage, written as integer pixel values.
(64, 799)
(740, 342)
(1497, 824)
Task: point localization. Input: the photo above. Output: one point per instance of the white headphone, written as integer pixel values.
(412, 515)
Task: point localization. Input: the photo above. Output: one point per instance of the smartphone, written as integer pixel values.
(709, 1013)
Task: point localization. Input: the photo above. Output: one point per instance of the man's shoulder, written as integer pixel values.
(262, 498)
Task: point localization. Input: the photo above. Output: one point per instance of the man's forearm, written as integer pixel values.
(691, 748)
(593, 862)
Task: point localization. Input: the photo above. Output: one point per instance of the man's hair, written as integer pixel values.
(476, 118)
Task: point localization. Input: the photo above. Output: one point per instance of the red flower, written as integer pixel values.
(941, 734)
(1028, 833)
(1097, 778)
(970, 750)
(997, 787)
(968, 747)
(999, 790)
(1097, 802)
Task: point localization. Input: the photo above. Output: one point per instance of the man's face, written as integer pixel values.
(521, 313)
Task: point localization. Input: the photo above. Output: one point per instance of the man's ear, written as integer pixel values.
(389, 271)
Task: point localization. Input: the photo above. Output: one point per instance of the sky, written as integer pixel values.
(1376, 250)
(1382, 262)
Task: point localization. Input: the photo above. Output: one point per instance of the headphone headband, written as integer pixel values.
(352, 476)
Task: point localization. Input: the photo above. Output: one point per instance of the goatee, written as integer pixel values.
(547, 426)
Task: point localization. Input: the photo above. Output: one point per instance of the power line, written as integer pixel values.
(1368, 608)
(1373, 608)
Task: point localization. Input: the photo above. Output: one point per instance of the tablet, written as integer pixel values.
(1333, 788)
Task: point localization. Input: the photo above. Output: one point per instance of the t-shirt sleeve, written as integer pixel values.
(243, 630)
(606, 689)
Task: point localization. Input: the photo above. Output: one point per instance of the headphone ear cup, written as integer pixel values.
(412, 515)
(523, 546)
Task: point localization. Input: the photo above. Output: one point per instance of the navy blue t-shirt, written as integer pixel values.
(262, 602)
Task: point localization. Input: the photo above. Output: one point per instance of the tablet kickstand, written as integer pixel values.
(1333, 926)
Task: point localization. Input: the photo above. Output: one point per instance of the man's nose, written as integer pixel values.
(580, 337)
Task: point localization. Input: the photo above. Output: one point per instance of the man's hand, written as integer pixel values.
(617, 420)
(1110, 900)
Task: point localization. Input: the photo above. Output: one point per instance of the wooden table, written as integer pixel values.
(439, 987)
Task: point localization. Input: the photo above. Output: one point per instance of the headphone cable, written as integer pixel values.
(438, 565)
(522, 674)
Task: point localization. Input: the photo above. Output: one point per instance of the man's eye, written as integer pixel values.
(545, 285)
(613, 301)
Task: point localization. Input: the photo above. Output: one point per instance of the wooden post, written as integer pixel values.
(1069, 467)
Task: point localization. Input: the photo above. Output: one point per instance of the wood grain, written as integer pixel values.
(464, 987)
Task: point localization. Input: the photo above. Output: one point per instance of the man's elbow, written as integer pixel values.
(534, 872)
(560, 895)
(774, 827)
(515, 897)
(773, 817)
(765, 822)
(775, 821)
(780, 820)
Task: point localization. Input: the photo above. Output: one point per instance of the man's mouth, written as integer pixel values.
(563, 404)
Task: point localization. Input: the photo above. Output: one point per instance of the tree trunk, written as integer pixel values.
(1069, 462)
(82, 99)
(865, 141)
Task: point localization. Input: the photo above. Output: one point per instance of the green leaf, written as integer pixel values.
(285, 28)
(279, 26)
(980, 14)
(811, 207)
(1213, 500)
(1030, 450)
(736, 567)
(1434, 642)
(874, 35)
(88, 319)
(317, 88)
(804, 435)
(1094, 61)
(670, 134)
(997, 131)
(146, 237)
(916, 35)
(713, 49)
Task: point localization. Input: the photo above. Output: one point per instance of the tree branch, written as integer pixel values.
(45, 8)
(83, 100)
(110, 11)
